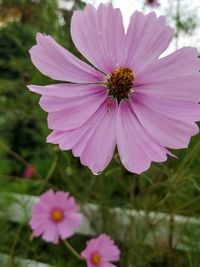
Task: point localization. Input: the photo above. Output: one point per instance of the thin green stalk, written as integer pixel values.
(17, 157)
(72, 250)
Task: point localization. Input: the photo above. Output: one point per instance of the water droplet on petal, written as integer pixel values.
(97, 173)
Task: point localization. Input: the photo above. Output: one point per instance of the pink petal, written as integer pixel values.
(36, 222)
(40, 210)
(104, 242)
(38, 230)
(57, 97)
(99, 35)
(182, 88)
(97, 134)
(68, 139)
(51, 233)
(171, 67)
(166, 131)
(109, 250)
(66, 90)
(105, 247)
(53, 104)
(146, 39)
(59, 64)
(48, 198)
(71, 205)
(169, 107)
(107, 264)
(110, 253)
(136, 148)
(76, 113)
(62, 199)
(68, 226)
(172, 77)
(97, 145)
(64, 230)
(55, 137)
(73, 219)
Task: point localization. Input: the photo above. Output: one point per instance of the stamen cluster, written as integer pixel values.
(96, 259)
(57, 215)
(120, 83)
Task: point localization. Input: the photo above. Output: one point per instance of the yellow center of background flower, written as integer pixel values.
(120, 83)
(96, 259)
(57, 215)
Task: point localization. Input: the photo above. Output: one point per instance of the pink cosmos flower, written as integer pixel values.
(55, 216)
(29, 171)
(127, 97)
(100, 252)
(152, 3)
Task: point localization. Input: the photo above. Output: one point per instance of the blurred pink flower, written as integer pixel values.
(29, 171)
(131, 98)
(100, 252)
(152, 3)
(55, 216)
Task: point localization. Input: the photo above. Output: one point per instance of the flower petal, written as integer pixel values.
(47, 199)
(182, 88)
(38, 223)
(66, 90)
(136, 148)
(94, 142)
(97, 146)
(109, 251)
(75, 113)
(38, 230)
(99, 35)
(107, 264)
(172, 76)
(69, 105)
(103, 246)
(51, 233)
(146, 39)
(56, 62)
(166, 131)
(68, 139)
(171, 66)
(64, 230)
(169, 107)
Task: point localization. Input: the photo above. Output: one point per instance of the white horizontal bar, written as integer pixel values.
(19, 211)
(4, 260)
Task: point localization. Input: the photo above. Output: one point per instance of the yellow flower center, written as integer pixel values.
(57, 215)
(120, 83)
(96, 259)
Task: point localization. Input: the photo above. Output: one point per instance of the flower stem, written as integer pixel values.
(72, 250)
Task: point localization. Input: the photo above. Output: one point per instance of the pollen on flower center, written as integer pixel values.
(57, 215)
(96, 259)
(120, 83)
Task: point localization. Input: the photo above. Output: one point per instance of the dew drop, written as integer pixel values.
(97, 173)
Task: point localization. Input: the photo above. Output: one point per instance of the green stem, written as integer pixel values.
(17, 157)
(72, 250)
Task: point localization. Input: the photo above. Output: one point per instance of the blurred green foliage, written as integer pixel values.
(172, 187)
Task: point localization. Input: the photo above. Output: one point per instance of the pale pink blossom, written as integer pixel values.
(152, 3)
(56, 216)
(128, 97)
(100, 252)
